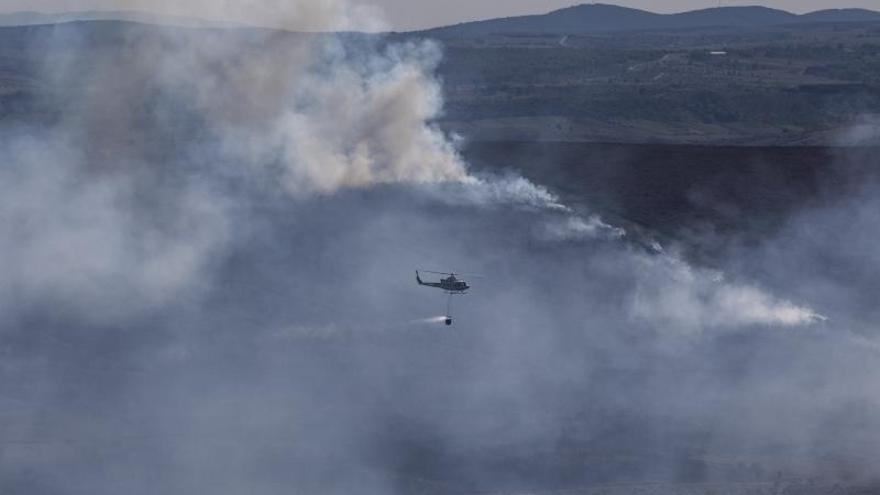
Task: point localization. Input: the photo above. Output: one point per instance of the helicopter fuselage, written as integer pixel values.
(449, 284)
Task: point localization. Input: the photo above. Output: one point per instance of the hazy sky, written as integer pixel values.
(410, 14)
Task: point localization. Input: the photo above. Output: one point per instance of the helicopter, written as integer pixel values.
(452, 285)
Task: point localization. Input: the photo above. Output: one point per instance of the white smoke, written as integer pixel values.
(307, 114)
(366, 121)
(330, 113)
(80, 240)
(497, 191)
(435, 320)
(574, 228)
(677, 296)
(96, 228)
(87, 225)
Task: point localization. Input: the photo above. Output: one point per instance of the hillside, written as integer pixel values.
(798, 84)
(795, 84)
(601, 18)
(842, 15)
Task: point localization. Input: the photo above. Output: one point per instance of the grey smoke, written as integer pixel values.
(208, 258)
(83, 243)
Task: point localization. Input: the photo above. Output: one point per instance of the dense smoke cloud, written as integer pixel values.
(312, 114)
(330, 114)
(87, 243)
(209, 260)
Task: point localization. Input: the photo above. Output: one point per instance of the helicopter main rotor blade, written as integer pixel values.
(453, 273)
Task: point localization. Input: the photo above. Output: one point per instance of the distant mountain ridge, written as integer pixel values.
(578, 19)
(598, 18)
(40, 18)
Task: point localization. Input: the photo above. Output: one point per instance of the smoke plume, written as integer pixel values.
(208, 245)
